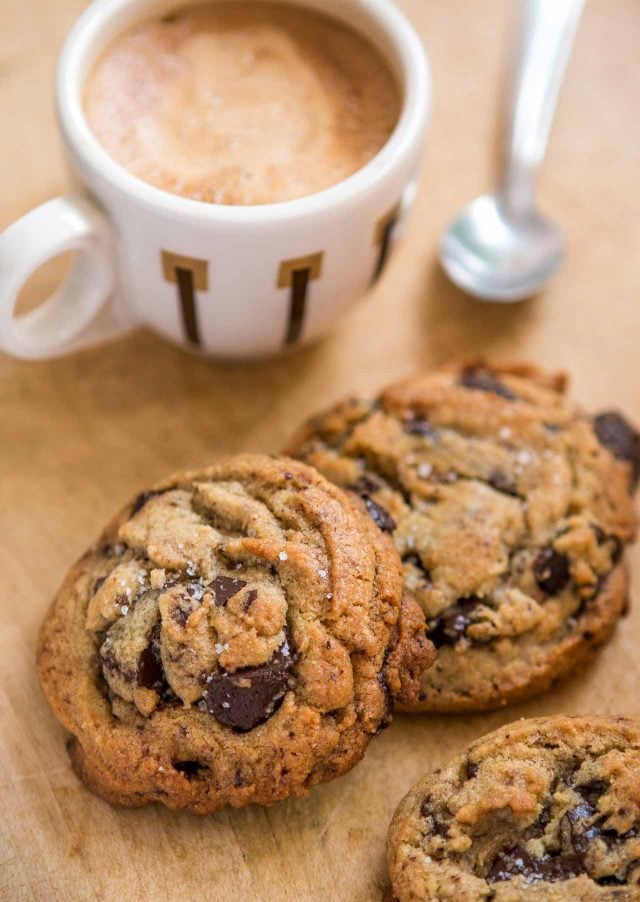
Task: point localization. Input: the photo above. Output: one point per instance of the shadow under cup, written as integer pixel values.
(234, 282)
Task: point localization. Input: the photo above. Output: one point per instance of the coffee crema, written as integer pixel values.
(242, 102)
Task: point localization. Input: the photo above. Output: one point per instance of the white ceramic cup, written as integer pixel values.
(228, 281)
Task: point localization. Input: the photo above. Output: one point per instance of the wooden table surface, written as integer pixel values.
(81, 434)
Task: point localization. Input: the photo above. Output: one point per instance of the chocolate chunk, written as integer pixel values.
(150, 672)
(225, 587)
(110, 662)
(591, 792)
(539, 826)
(616, 434)
(482, 378)
(188, 602)
(434, 824)
(381, 517)
(450, 627)
(251, 596)
(472, 770)
(418, 426)
(501, 483)
(583, 834)
(551, 571)
(614, 880)
(180, 615)
(249, 696)
(425, 809)
(142, 499)
(517, 862)
(364, 487)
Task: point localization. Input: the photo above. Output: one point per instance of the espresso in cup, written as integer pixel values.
(242, 102)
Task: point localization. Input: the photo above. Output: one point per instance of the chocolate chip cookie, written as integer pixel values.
(232, 637)
(510, 508)
(546, 809)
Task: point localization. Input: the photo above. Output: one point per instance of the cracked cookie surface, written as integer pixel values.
(231, 638)
(510, 508)
(546, 809)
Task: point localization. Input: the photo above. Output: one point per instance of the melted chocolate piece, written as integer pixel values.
(539, 826)
(582, 833)
(551, 571)
(517, 862)
(225, 587)
(612, 880)
(436, 825)
(248, 697)
(425, 810)
(364, 487)
(110, 662)
(150, 672)
(251, 596)
(616, 434)
(189, 602)
(591, 792)
(450, 627)
(418, 426)
(180, 615)
(472, 770)
(481, 378)
(381, 517)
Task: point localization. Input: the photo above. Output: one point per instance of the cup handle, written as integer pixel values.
(84, 309)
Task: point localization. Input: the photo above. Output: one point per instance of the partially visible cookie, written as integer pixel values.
(510, 508)
(542, 809)
(232, 637)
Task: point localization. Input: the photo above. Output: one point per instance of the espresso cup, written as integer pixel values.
(232, 282)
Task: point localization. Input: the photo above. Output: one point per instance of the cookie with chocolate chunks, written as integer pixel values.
(510, 508)
(233, 637)
(541, 809)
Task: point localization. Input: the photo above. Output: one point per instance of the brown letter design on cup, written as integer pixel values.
(190, 275)
(296, 275)
(382, 239)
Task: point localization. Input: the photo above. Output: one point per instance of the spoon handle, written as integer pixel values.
(545, 36)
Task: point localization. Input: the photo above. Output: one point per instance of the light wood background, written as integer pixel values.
(81, 434)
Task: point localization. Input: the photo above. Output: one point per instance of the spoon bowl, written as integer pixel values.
(495, 254)
(501, 248)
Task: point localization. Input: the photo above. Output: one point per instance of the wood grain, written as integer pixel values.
(79, 435)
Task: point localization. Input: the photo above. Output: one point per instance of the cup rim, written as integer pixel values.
(407, 133)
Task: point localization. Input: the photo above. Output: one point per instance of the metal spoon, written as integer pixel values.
(500, 248)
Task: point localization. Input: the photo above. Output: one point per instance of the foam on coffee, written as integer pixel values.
(242, 102)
